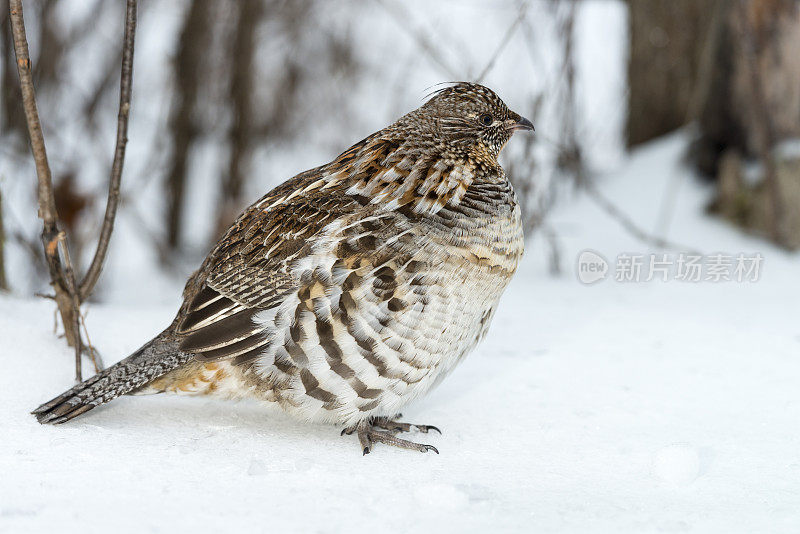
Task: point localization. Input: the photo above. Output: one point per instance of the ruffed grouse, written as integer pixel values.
(352, 288)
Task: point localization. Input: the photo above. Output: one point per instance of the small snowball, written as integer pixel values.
(677, 464)
(257, 468)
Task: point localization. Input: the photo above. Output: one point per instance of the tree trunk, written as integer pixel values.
(667, 40)
(751, 110)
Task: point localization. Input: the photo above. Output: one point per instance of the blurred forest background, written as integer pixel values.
(231, 98)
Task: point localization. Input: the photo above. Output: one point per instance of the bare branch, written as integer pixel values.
(72, 286)
(554, 260)
(66, 299)
(628, 224)
(93, 354)
(503, 43)
(403, 19)
(47, 202)
(126, 81)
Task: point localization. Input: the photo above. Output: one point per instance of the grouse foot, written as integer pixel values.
(368, 434)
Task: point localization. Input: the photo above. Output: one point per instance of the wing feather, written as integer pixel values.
(250, 269)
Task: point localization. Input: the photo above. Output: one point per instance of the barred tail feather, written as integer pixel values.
(158, 357)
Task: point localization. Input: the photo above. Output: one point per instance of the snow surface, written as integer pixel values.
(643, 407)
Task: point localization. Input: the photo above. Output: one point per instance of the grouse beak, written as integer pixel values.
(517, 122)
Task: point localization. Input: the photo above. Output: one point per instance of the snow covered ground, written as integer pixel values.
(616, 407)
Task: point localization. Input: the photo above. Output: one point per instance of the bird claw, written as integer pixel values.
(369, 435)
(431, 448)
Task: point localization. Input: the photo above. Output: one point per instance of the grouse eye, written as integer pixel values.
(486, 119)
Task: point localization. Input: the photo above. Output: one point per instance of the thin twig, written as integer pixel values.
(97, 361)
(628, 224)
(503, 43)
(72, 286)
(554, 262)
(28, 244)
(125, 84)
(65, 298)
(101, 89)
(424, 42)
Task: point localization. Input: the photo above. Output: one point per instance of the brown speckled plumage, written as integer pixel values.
(352, 288)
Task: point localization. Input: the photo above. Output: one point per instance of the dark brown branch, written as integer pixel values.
(125, 83)
(65, 299)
